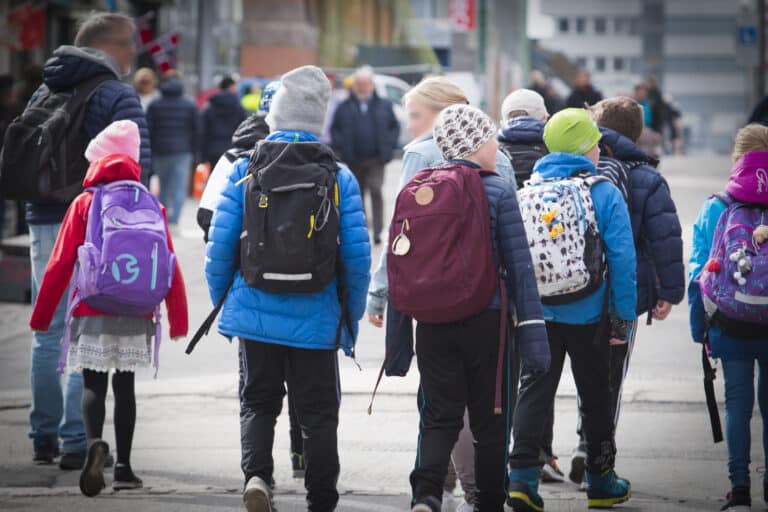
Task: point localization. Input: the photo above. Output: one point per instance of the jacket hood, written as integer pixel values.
(525, 130)
(225, 100)
(172, 87)
(622, 148)
(112, 168)
(250, 131)
(292, 136)
(71, 65)
(748, 182)
(562, 165)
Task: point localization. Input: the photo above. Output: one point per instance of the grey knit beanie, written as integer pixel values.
(460, 130)
(301, 102)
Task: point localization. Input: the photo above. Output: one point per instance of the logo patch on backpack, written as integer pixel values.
(563, 237)
(125, 266)
(734, 282)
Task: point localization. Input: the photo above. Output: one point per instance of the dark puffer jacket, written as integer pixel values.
(655, 224)
(522, 140)
(112, 101)
(172, 120)
(346, 121)
(221, 117)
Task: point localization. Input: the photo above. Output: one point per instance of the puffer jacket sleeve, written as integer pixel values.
(504, 167)
(116, 101)
(355, 247)
(213, 193)
(663, 234)
(616, 233)
(224, 234)
(521, 283)
(703, 232)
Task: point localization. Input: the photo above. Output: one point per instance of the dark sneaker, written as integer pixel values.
(110, 461)
(550, 473)
(578, 464)
(45, 453)
(739, 500)
(607, 490)
(524, 490)
(299, 467)
(92, 477)
(125, 479)
(72, 461)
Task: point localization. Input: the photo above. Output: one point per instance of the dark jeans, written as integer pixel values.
(457, 364)
(589, 363)
(313, 378)
(95, 386)
(619, 364)
(370, 177)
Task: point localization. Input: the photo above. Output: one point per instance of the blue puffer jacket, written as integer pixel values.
(173, 120)
(296, 320)
(655, 224)
(112, 101)
(616, 234)
(221, 117)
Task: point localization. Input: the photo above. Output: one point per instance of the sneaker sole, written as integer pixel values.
(520, 502)
(577, 470)
(92, 477)
(607, 502)
(548, 477)
(126, 486)
(256, 501)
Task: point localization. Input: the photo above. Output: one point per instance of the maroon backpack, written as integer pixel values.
(440, 260)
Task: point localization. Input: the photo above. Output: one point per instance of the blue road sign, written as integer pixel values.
(747, 36)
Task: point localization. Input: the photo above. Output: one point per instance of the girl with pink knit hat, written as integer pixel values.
(107, 327)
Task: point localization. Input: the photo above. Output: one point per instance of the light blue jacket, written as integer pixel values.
(296, 320)
(616, 234)
(419, 154)
(721, 345)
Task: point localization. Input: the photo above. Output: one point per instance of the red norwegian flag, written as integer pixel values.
(144, 31)
(164, 51)
(28, 23)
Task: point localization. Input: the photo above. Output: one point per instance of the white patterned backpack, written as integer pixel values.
(563, 236)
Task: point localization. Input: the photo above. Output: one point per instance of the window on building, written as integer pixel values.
(619, 26)
(581, 25)
(563, 25)
(600, 25)
(634, 26)
(599, 63)
(618, 64)
(581, 62)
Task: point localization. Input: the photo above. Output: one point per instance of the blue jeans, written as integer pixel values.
(173, 171)
(739, 402)
(53, 415)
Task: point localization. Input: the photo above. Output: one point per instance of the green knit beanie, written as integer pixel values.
(571, 131)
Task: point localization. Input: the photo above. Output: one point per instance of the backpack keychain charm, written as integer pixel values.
(401, 245)
(760, 234)
(743, 265)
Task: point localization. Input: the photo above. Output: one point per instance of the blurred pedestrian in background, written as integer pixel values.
(173, 127)
(365, 132)
(221, 117)
(583, 91)
(145, 83)
(541, 85)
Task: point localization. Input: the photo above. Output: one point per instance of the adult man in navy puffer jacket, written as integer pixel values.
(103, 45)
(655, 228)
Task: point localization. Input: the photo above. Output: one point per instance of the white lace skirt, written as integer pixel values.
(104, 352)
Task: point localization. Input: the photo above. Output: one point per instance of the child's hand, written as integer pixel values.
(662, 309)
(376, 320)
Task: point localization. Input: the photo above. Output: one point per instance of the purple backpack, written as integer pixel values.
(125, 266)
(734, 282)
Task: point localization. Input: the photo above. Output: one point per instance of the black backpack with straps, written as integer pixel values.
(43, 159)
(290, 237)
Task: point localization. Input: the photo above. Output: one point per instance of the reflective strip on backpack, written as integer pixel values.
(754, 300)
(271, 276)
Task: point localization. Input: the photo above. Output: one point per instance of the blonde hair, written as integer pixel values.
(753, 137)
(143, 77)
(437, 92)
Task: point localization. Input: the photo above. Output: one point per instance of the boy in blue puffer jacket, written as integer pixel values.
(290, 337)
(576, 328)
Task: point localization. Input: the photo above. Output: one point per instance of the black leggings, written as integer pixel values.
(95, 386)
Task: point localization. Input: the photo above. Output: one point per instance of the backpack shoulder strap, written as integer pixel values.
(724, 197)
(92, 234)
(709, 391)
(83, 91)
